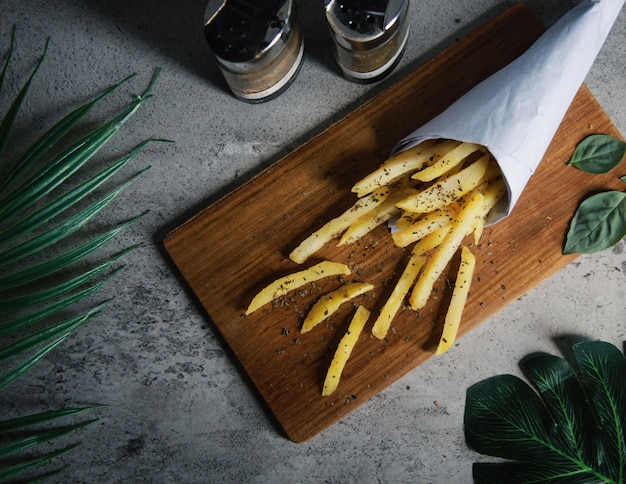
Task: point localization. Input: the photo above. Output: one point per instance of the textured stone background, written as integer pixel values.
(179, 409)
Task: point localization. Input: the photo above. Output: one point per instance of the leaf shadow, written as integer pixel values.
(173, 29)
(565, 343)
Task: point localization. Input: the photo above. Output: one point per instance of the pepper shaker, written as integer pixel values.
(258, 45)
(369, 36)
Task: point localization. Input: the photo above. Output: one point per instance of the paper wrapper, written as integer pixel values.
(516, 112)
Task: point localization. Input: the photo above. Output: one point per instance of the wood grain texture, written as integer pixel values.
(233, 248)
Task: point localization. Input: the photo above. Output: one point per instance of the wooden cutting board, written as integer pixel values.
(233, 248)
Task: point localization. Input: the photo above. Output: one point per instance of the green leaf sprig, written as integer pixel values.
(600, 220)
(570, 428)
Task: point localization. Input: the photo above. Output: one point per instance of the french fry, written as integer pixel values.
(447, 162)
(401, 289)
(447, 190)
(478, 228)
(402, 163)
(406, 218)
(432, 222)
(444, 253)
(493, 192)
(286, 284)
(431, 241)
(493, 172)
(372, 219)
(427, 224)
(342, 354)
(330, 302)
(335, 227)
(367, 223)
(457, 301)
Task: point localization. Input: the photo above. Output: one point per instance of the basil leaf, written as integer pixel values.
(598, 154)
(599, 223)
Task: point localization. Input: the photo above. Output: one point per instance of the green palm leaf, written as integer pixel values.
(63, 203)
(44, 335)
(12, 471)
(48, 311)
(36, 189)
(25, 443)
(9, 118)
(59, 232)
(52, 266)
(14, 373)
(20, 423)
(50, 138)
(22, 302)
(17, 443)
(62, 167)
(571, 429)
(5, 67)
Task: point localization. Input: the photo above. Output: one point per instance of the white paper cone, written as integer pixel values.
(516, 112)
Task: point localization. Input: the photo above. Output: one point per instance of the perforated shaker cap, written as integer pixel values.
(247, 35)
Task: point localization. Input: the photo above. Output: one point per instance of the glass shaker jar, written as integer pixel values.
(258, 45)
(369, 36)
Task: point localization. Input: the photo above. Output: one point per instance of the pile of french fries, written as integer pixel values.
(434, 195)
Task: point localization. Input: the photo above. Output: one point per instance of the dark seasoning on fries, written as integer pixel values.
(432, 196)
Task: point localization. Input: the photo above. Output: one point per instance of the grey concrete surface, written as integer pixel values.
(179, 410)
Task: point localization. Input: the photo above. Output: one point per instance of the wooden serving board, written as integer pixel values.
(236, 246)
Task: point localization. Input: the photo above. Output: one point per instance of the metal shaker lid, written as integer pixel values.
(246, 35)
(364, 24)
